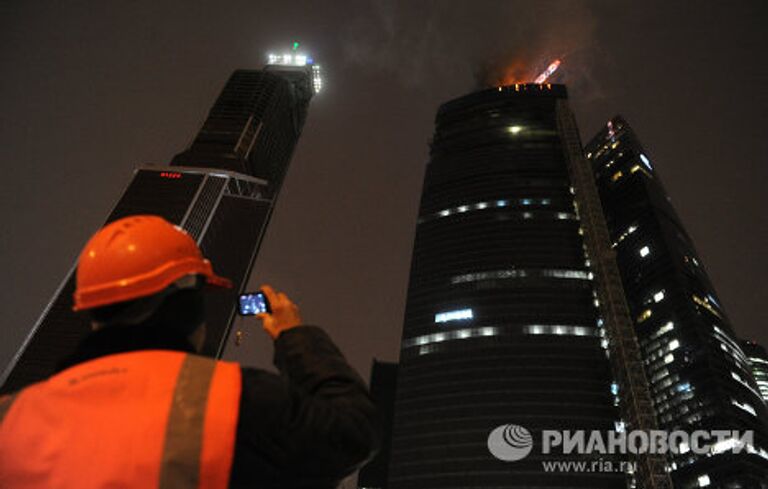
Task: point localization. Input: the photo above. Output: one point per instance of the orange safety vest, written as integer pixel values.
(144, 419)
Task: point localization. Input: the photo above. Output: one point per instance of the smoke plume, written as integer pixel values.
(483, 43)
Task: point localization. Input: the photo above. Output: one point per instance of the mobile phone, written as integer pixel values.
(252, 303)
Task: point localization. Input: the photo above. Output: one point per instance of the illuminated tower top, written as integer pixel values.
(296, 59)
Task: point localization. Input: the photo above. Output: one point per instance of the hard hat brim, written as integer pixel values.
(146, 284)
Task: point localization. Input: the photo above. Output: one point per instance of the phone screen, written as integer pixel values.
(253, 303)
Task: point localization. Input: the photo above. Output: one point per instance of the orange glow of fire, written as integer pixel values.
(519, 72)
(515, 72)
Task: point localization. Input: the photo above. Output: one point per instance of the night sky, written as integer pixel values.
(90, 90)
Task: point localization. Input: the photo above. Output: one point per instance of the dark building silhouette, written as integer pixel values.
(502, 322)
(254, 125)
(757, 358)
(699, 376)
(383, 385)
(221, 190)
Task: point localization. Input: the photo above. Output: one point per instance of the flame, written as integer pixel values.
(515, 72)
(519, 72)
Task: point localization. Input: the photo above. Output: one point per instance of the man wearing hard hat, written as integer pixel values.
(135, 406)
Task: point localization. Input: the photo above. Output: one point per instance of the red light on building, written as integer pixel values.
(170, 174)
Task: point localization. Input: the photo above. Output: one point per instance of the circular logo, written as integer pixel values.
(510, 442)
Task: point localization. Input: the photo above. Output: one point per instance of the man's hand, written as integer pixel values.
(285, 314)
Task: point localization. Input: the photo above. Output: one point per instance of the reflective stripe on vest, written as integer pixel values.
(154, 419)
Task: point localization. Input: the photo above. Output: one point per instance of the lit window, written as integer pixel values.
(645, 251)
(496, 203)
(631, 229)
(459, 315)
(644, 315)
(645, 161)
(669, 358)
(727, 445)
(658, 296)
(515, 129)
(617, 175)
(704, 480)
(705, 304)
(745, 406)
(634, 169)
(674, 345)
(426, 343)
(559, 330)
(666, 328)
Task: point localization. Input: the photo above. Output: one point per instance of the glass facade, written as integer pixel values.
(758, 362)
(501, 323)
(255, 124)
(700, 378)
(221, 190)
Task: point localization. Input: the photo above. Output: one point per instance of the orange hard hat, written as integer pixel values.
(134, 257)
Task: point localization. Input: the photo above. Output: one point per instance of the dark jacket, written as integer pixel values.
(308, 427)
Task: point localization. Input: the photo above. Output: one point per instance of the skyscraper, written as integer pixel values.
(699, 376)
(502, 324)
(221, 190)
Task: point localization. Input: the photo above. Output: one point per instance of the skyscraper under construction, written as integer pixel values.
(221, 190)
(512, 305)
(699, 376)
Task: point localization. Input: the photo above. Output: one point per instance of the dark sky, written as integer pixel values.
(91, 89)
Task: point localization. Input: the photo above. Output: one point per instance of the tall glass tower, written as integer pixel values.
(699, 376)
(221, 190)
(502, 324)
